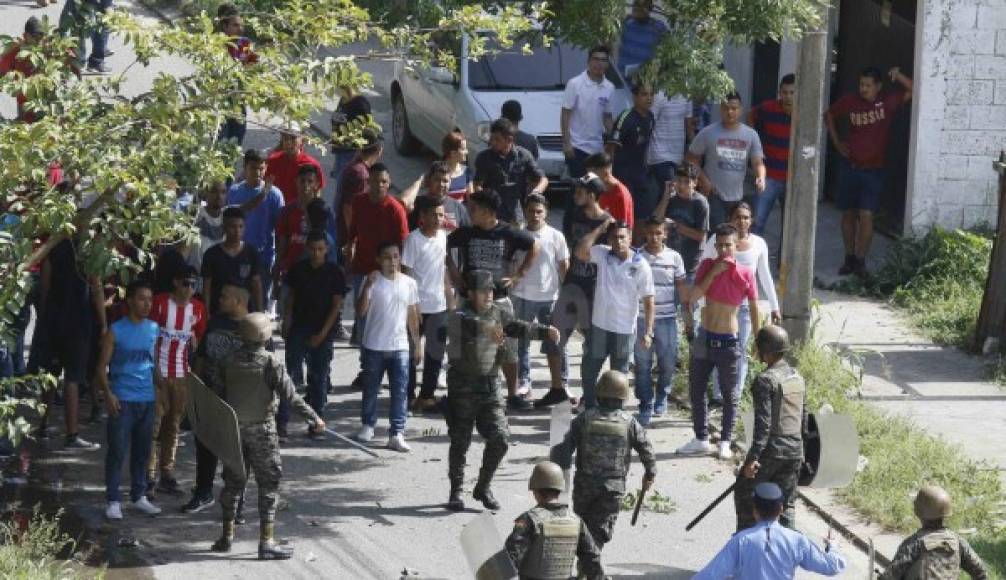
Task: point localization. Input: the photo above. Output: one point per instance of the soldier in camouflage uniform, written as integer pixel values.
(476, 343)
(934, 552)
(546, 538)
(776, 452)
(253, 382)
(603, 438)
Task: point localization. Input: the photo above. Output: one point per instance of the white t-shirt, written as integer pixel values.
(756, 258)
(388, 313)
(668, 140)
(541, 281)
(667, 269)
(426, 258)
(620, 287)
(588, 101)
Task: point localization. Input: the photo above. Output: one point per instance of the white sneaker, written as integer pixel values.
(397, 443)
(726, 454)
(524, 388)
(113, 511)
(143, 505)
(365, 434)
(695, 447)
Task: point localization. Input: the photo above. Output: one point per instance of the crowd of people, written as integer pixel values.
(660, 241)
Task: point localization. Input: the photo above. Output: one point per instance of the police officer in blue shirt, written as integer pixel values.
(769, 551)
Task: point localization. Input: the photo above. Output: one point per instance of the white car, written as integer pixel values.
(428, 102)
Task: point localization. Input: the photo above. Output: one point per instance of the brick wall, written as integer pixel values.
(959, 117)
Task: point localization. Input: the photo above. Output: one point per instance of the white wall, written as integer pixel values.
(959, 115)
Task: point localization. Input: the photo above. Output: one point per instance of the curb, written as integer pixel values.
(855, 539)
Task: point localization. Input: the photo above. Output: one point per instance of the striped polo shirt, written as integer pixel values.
(773, 126)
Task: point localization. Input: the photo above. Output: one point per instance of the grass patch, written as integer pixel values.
(901, 458)
(937, 279)
(35, 552)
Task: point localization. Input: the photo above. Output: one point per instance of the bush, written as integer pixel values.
(34, 553)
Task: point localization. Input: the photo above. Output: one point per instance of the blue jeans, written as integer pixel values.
(68, 23)
(133, 427)
(665, 347)
(743, 335)
(599, 345)
(319, 360)
(765, 201)
(375, 363)
(705, 358)
(529, 311)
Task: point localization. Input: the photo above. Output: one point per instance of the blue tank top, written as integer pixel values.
(131, 371)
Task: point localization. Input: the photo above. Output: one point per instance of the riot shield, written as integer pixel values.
(215, 424)
(830, 449)
(484, 550)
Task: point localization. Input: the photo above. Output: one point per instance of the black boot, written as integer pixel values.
(268, 549)
(483, 494)
(455, 503)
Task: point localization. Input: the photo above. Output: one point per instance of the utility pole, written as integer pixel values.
(796, 270)
(992, 318)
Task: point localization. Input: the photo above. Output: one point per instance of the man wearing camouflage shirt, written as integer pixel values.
(603, 438)
(253, 382)
(476, 336)
(776, 452)
(934, 552)
(546, 538)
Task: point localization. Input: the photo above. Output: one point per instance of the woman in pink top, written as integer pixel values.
(725, 284)
(455, 150)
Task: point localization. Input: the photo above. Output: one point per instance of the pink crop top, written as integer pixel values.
(730, 287)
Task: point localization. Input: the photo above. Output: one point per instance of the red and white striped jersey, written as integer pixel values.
(178, 324)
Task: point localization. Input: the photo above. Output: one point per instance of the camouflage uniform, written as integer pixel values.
(934, 554)
(474, 398)
(545, 540)
(603, 439)
(777, 443)
(253, 382)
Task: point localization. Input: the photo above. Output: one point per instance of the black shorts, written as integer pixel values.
(64, 349)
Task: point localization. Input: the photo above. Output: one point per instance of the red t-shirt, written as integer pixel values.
(730, 287)
(618, 202)
(284, 172)
(374, 223)
(292, 226)
(869, 126)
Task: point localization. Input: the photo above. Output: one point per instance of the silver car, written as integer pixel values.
(428, 102)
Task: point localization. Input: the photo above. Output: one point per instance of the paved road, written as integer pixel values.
(350, 516)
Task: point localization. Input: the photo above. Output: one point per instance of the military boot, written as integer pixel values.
(268, 549)
(455, 503)
(483, 494)
(226, 538)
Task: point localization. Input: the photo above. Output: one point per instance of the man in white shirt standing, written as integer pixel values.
(624, 281)
(534, 295)
(424, 260)
(587, 112)
(390, 301)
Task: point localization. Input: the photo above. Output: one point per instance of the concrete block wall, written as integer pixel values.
(959, 115)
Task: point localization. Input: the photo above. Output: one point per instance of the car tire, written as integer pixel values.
(405, 142)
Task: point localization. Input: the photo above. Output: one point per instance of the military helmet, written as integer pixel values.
(255, 328)
(547, 475)
(613, 385)
(772, 339)
(932, 503)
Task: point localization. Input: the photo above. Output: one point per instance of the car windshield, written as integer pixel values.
(544, 69)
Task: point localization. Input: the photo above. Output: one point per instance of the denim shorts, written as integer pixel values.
(859, 188)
